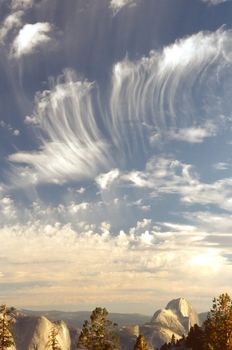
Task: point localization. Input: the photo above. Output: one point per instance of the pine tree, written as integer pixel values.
(7, 318)
(98, 333)
(173, 340)
(53, 343)
(218, 326)
(141, 343)
(195, 338)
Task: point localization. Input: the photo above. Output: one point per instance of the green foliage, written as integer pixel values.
(53, 343)
(7, 318)
(141, 343)
(218, 326)
(98, 333)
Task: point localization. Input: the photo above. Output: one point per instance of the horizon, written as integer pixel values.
(115, 152)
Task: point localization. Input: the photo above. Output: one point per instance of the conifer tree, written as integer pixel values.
(7, 319)
(218, 326)
(98, 333)
(195, 338)
(53, 343)
(141, 343)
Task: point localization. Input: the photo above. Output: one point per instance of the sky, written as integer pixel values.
(115, 153)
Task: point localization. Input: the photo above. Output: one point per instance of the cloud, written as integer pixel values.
(140, 257)
(31, 38)
(104, 181)
(74, 146)
(215, 2)
(159, 91)
(164, 176)
(21, 4)
(156, 93)
(117, 5)
(192, 134)
(221, 166)
(14, 20)
(11, 22)
(8, 127)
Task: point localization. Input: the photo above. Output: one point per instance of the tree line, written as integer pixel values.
(100, 334)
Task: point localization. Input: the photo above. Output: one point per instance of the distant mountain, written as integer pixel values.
(76, 319)
(32, 328)
(202, 317)
(177, 318)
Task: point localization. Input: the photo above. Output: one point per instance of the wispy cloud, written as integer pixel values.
(143, 98)
(215, 2)
(73, 147)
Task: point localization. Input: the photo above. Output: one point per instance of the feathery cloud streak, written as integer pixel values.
(154, 93)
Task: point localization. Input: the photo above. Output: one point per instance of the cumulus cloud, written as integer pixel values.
(192, 134)
(164, 176)
(14, 20)
(128, 261)
(31, 38)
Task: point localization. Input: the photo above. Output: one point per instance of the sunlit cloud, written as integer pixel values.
(126, 260)
(143, 98)
(192, 134)
(74, 146)
(105, 180)
(11, 22)
(117, 5)
(31, 38)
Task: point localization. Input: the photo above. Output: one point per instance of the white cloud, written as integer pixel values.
(192, 134)
(143, 98)
(74, 147)
(31, 120)
(159, 90)
(104, 181)
(117, 5)
(81, 190)
(222, 166)
(11, 22)
(215, 2)
(31, 38)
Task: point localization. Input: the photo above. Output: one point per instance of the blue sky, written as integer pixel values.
(115, 153)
